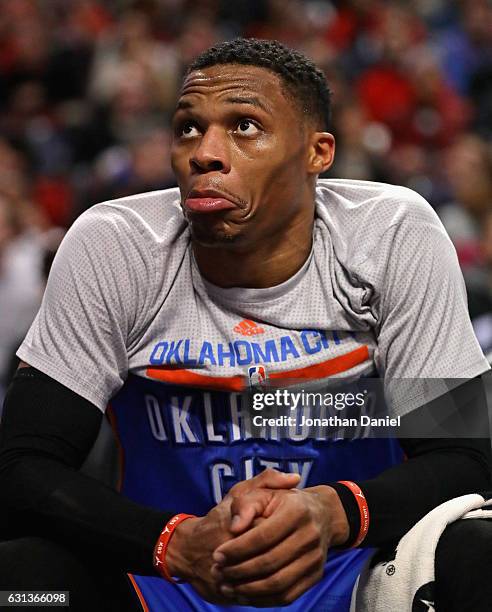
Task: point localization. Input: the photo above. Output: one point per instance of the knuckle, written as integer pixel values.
(262, 539)
(269, 565)
(274, 584)
(234, 498)
(246, 590)
(236, 489)
(303, 511)
(314, 532)
(266, 474)
(319, 559)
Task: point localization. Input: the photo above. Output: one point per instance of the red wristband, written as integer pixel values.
(163, 542)
(363, 509)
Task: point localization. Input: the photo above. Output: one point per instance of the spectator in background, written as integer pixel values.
(21, 283)
(361, 145)
(13, 179)
(469, 173)
(198, 32)
(385, 87)
(132, 45)
(465, 48)
(142, 166)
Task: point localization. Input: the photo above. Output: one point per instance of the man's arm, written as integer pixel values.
(46, 433)
(435, 471)
(276, 561)
(283, 555)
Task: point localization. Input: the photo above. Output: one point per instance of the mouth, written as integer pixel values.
(208, 201)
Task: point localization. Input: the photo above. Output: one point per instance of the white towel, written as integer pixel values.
(406, 582)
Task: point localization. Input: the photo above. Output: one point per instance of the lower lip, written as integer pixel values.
(208, 205)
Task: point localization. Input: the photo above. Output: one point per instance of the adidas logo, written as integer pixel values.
(248, 328)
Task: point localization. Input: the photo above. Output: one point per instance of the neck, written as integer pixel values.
(265, 264)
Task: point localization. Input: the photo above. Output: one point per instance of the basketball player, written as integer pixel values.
(158, 309)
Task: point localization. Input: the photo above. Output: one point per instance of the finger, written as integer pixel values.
(283, 599)
(281, 582)
(297, 544)
(210, 593)
(216, 573)
(287, 518)
(245, 508)
(273, 479)
(268, 479)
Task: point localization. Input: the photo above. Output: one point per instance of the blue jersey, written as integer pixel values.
(193, 445)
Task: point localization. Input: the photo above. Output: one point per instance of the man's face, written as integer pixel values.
(239, 153)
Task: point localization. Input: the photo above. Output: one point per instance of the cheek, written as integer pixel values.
(179, 161)
(282, 188)
(174, 162)
(285, 176)
(273, 162)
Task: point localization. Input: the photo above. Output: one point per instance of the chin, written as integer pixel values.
(214, 235)
(217, 242)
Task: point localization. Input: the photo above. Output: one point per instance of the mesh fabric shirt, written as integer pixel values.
(128, 321)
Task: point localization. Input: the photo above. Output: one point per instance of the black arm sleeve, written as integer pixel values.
(45, 435)
(435, 470)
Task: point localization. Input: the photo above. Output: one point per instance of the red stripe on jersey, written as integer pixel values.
(333, 366)
(191, 379)
(139, 593)
(326, 368)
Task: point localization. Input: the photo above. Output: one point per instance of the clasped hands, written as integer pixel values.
(264, 545)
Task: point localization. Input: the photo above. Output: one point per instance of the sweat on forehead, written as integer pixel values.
(244, 76)
(242, 84)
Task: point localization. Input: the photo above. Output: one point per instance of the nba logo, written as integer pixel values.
(257, 376)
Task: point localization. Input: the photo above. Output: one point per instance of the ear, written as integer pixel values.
(321, 152)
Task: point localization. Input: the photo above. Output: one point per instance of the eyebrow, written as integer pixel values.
(248, 100)
(185, 104)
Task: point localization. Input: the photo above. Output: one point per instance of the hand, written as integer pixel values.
(190, 551)
(284, 554)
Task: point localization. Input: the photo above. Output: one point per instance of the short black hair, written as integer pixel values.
(303, 80)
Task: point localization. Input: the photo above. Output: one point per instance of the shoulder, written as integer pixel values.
(378, 203)
(131, 242)
(359, 214)
(150, 218)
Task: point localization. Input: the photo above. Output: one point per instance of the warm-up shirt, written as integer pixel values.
(128, 320)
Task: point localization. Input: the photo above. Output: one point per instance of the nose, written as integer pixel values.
(212, 152)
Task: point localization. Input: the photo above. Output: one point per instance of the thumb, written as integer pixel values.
(245, 508)
(273, 479)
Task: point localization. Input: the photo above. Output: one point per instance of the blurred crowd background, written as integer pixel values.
(87, 88)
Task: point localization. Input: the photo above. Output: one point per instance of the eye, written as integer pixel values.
(247, 127)
(188, 129)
